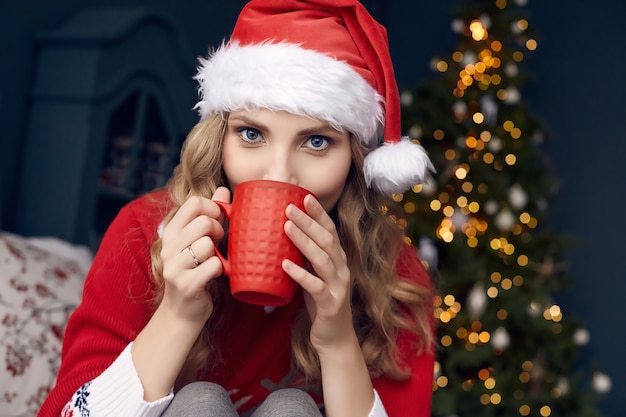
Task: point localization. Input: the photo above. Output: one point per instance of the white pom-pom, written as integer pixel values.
(395, 167)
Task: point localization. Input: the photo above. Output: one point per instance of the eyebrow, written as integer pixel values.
(323, 128)
(248, 121)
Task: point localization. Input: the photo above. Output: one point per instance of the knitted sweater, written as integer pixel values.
(96, 372)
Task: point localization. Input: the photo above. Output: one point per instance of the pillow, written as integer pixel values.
(40, 286)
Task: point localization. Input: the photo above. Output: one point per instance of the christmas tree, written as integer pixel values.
(505, 347)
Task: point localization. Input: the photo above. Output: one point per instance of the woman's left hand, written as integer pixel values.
(327, 294)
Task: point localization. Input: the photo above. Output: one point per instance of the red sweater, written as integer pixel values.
(117, 304)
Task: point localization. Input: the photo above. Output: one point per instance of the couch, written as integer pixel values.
(41, 282)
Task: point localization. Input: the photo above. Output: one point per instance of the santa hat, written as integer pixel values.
(326, 59)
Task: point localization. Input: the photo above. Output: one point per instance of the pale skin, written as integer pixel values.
(277, 146)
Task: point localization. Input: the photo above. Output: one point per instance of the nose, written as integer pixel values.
(280, 166)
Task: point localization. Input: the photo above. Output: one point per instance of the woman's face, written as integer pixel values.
(281, 146)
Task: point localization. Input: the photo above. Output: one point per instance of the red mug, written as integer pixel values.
(257, 243)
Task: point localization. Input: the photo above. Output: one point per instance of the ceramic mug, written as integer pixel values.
(257, 243)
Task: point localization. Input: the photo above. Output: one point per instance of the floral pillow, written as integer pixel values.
(40, 285)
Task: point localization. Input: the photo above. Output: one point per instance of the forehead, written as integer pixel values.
(281, 118)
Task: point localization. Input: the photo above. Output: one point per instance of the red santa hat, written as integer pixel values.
(326, 59)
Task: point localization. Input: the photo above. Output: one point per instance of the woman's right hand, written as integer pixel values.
(196, 225)
(161, 348)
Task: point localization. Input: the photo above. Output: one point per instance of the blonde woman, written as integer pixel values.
(303, 92)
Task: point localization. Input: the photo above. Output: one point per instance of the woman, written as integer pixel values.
(302, 93)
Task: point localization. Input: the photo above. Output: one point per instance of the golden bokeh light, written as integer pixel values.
(545, 411)
(442, 381)
(522, 24)
(522, 260)
(510, 159)
(457, 56)
(479, 32)
(461, 171)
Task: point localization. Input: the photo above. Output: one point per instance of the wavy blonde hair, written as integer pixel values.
(383, 303)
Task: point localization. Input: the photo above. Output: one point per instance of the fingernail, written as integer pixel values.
(292, 210)
(287, 265)
(310, 200)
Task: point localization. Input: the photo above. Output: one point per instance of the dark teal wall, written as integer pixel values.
(578, 90)
(205, 23)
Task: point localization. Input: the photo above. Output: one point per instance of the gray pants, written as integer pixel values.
(206, 399)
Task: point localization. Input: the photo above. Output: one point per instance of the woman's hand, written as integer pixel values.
(187, 253)
(346, 384)
(161, 348)
(328, 292)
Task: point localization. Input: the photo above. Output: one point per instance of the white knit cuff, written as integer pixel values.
(378, 409)
(117, 392)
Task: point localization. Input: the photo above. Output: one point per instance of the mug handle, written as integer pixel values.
(226, 209)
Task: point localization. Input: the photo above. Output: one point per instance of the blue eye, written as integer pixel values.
(318, 143)
(249, 134)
